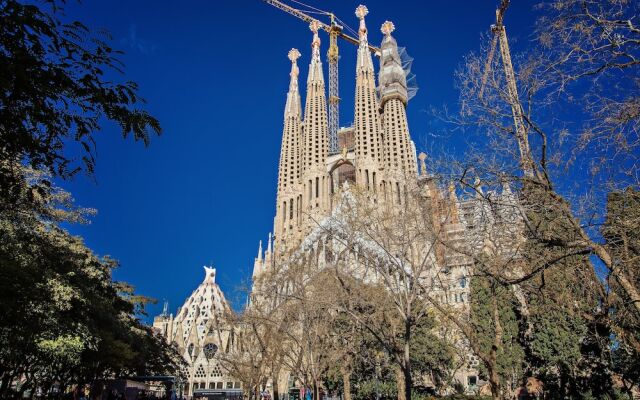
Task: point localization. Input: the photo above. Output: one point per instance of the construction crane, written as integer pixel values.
(500, 36)
(335, 31)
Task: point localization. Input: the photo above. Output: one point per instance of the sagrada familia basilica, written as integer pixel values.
(375, 154)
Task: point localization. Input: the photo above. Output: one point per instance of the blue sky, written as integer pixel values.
(215, 73)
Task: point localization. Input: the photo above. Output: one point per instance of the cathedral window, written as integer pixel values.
(200, 372)
(366, 174)
(317, 187)
(216, 372)
(190, 349)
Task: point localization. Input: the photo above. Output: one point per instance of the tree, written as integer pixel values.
(64, 319)
(57, 90)
(570, 285)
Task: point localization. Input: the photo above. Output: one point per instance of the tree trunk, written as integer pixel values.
(5, 384)
(346, 384)
(494, 378)
(274, 382)
(406, 360)
(400, 385)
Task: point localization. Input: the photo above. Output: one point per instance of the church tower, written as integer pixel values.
(399, 151)
(288, 196)
(367, 127)
(314, 194)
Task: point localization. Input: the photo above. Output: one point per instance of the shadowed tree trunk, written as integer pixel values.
(346, 384)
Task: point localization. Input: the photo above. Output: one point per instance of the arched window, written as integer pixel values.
(374, 181)
(190, 349)
(366, 176)
(344, 172)
(463, 282)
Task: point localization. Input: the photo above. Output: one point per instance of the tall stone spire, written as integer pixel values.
(367, 118)
(287, 202)
(400, 157)
(257, 264)
(315, 132)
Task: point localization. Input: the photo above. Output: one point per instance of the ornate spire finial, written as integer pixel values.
(210, 274)
(387, 28)
(314, 26)
(361, 12)
(423, 166)
(269, 244)
(260, 251)
(293, 55)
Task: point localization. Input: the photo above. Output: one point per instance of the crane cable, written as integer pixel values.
(317, 10)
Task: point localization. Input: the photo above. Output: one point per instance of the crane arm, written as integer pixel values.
(375, 50)
(296, 13)
(307, 18)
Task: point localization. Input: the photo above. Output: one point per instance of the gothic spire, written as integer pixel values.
(367, 117)
(364, 55)
(315, 69)
(290, 152)
(316, 127)
(393, 82)
(292, 107)
(400, 155)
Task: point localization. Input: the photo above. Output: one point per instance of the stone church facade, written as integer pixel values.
(200, 333)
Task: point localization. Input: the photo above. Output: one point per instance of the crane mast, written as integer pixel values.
(335, 31)
(334, 98)
(500, 36)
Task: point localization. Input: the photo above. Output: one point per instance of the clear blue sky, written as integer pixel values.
(215, 73)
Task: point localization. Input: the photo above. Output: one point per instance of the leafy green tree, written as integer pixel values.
(57, 90)
(495, 324)
(64, 319)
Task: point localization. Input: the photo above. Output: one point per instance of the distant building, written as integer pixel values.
(199, 331)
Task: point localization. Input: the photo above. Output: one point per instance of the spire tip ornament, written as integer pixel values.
(314, 26)
(387, 28)
(362, 11)
(423, 166)
(293, 55)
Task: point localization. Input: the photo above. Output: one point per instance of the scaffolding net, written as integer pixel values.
(407, 61)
